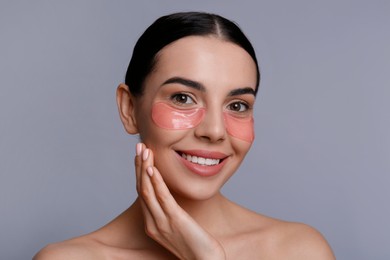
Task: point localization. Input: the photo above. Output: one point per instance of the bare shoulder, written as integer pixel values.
(271, 238)
(78, 248)
(290, 240)
(300, 241)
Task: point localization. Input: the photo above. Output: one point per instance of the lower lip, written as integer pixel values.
(202, 170)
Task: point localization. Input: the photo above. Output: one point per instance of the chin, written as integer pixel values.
(195, 191)
(193, 197)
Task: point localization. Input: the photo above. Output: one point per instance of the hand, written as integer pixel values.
(165, 221)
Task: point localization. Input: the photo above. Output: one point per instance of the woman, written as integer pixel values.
(189, 93)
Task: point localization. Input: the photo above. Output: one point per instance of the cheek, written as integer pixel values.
(241, 128)
(167, 117)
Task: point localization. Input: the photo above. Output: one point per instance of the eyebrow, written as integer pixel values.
(242, 91)
(199, 86)
(186, 82)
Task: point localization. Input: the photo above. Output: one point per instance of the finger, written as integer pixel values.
(162, 193)
(138, 164)
(152, 226)
(149, 222)
(146, 187)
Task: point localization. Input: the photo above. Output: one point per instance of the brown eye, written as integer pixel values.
(182, 99)
(238, 107)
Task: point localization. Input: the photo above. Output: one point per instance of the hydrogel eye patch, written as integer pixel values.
(241, 128)
(168, 117)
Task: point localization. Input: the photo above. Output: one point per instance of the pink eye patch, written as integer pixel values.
(241, 128)
(168, 117)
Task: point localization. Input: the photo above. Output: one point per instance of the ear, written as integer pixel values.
(126, 105)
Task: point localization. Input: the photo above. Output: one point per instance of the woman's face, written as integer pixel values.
(196, 113)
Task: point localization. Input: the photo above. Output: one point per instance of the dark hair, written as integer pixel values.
(170, 28)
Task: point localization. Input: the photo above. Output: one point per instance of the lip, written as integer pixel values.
(205, 154)
(203, 170)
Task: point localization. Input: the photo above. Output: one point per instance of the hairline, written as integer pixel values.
(217, 34)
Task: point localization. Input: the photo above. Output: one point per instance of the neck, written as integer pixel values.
(210, 213)
(198, 209)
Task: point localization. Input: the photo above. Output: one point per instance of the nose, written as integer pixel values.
(212, 128)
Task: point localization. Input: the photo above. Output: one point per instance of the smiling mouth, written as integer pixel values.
(200, 160)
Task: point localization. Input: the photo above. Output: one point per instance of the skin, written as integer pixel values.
(180, 213)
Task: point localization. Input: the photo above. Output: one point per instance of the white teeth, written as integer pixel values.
(200, 160)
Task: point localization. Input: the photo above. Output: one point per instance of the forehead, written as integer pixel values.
(207, 59)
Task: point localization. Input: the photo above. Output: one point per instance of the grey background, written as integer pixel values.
(322, 149)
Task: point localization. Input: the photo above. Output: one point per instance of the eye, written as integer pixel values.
(181, 98)
(238, 106)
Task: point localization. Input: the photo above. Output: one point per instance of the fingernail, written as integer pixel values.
(149, 170)
(145, 155)
(139, 149)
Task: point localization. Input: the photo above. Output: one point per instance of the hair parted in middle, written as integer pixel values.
(170, 28)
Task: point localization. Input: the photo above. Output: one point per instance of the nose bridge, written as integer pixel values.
(212, 126)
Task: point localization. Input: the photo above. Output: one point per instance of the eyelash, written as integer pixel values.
(183, 99)
(241, 104)
(176, 99)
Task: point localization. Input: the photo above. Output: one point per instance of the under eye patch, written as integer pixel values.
(168, 117)
(241, 128)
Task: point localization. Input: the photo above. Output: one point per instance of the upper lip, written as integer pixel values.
(205, 154)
